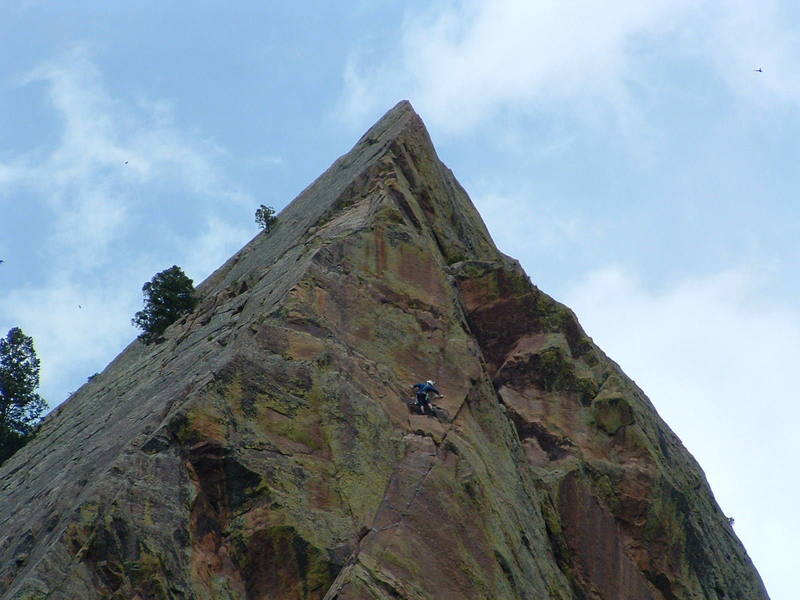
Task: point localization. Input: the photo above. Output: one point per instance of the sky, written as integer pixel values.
(627, 153)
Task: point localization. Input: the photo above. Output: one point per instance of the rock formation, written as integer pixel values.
(265, 449)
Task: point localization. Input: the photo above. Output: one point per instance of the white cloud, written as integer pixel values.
(753, 35)
(521, 227)
(107, 154)
(466, 62)
(269, 160)
(719, 363)
(121, 194)
(218, 241)
(77, 326)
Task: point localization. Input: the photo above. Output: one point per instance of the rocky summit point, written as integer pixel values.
(267, 450)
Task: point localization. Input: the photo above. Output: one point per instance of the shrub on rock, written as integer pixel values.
(167, 296)
(265, 217)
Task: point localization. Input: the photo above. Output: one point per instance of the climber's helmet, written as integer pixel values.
(429, 382)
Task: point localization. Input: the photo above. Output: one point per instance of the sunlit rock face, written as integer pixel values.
(265, 450)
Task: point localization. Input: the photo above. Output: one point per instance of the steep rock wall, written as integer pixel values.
(265, 449)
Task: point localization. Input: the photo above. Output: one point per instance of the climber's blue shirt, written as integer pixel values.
(424, 388)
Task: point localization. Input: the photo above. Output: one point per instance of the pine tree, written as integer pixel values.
(265, 217)
(20, 405)
(167, 296)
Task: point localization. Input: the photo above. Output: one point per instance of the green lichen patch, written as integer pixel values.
(587, 389)
(473, 269)
(606, 478)
(667, 526)
(303, 428)
(203, 421)
(553, 316)
(556, 373)
(147, 576)
(612, 414)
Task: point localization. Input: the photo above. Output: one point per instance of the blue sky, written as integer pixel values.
(627, 154)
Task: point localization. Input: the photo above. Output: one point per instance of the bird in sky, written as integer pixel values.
(759, 70)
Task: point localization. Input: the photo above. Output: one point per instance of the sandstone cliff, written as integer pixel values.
(265, 450)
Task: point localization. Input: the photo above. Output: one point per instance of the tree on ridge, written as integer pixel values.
(265, 217)
(167, 296)
(20, 405)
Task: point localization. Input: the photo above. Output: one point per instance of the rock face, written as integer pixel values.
(265, 449)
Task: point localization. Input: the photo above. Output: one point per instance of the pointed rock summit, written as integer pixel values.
(266, 449)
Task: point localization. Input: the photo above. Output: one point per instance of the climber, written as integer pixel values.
(423, 389)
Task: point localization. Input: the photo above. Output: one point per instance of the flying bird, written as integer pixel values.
(759, 70)
(1, 262)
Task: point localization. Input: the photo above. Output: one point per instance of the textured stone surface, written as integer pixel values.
(265, 449)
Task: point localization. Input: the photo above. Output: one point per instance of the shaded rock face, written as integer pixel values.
(265, 449)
